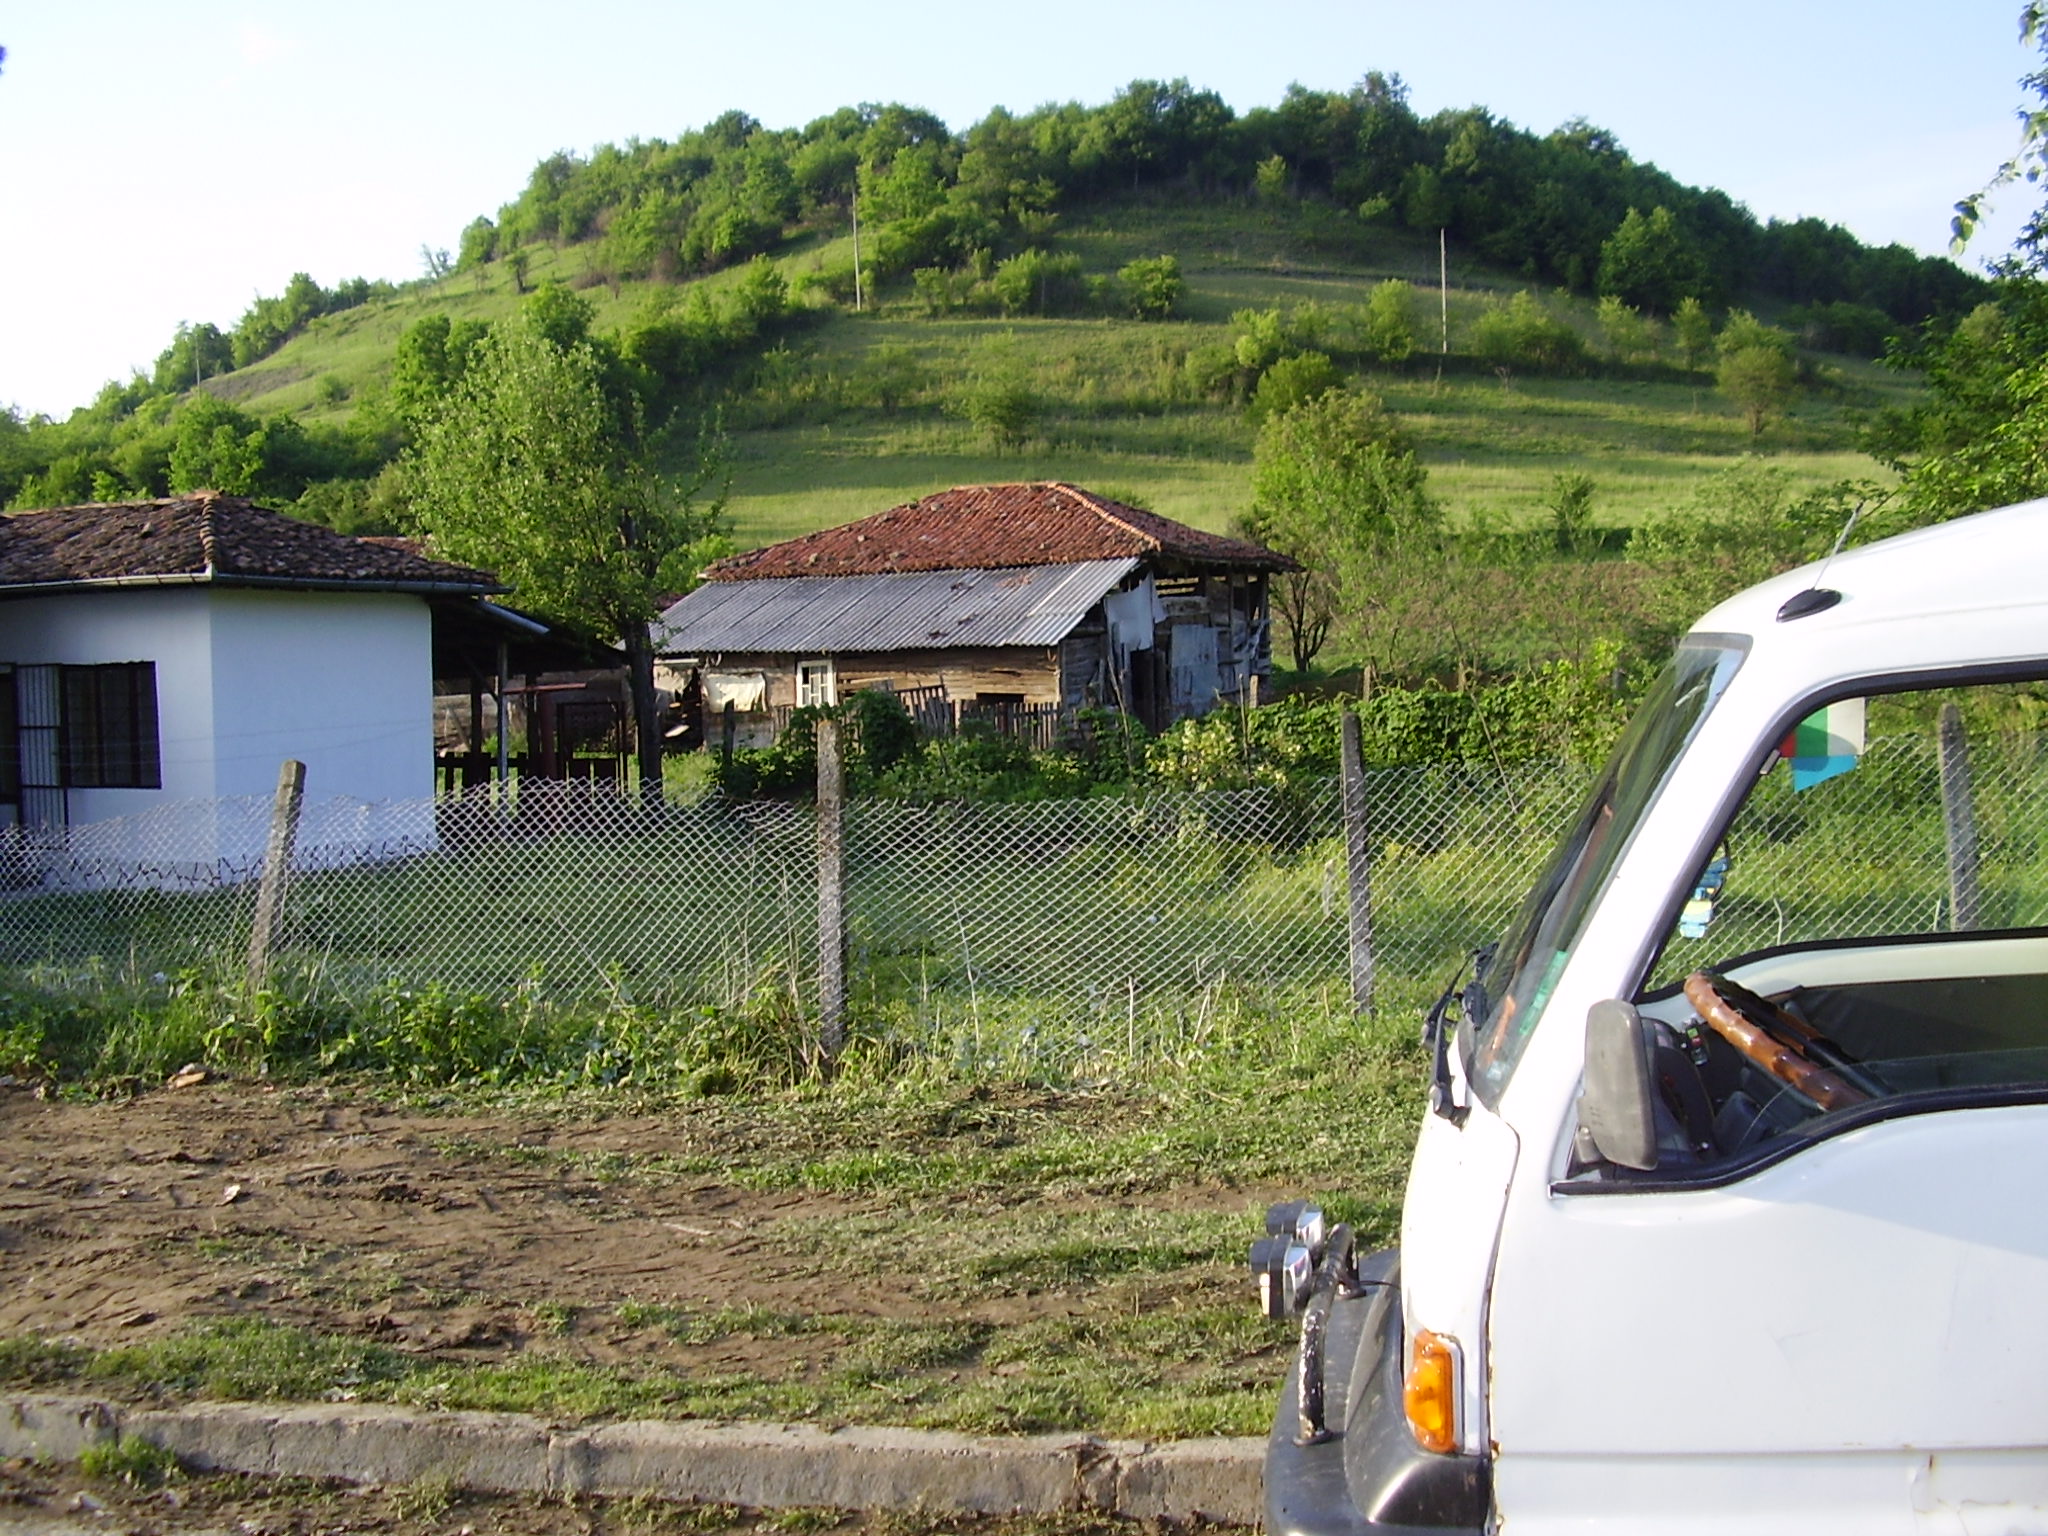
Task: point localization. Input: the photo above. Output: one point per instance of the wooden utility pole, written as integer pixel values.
(831, 894)
(1443, 304)
(277, 865)
(1357, 866)
(856, 239)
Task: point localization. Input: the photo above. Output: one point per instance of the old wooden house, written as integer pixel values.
(1011, 601)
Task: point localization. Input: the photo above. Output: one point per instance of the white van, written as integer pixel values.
(1730, 1210)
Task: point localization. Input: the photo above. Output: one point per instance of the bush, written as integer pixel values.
(1523, 334)
(1293, 381)
(1152, 289)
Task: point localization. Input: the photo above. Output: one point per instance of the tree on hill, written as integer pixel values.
(535, 469)
(1337, 485)
(1648, 263)
(1756, 370)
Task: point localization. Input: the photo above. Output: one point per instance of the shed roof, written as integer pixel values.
(209, 538)
(997, 527)
(903, 611)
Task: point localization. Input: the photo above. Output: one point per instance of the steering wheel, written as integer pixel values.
(1769, 1036)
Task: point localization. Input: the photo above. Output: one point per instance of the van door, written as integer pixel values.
(1816, 1313)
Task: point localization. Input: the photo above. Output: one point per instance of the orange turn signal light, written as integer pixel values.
(1430, 1393)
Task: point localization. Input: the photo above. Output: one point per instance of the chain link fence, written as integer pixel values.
(1123, 924)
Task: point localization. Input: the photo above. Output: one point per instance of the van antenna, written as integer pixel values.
(1817, 598)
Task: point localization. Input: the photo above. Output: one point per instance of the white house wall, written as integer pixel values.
(170, 626)
(344, 683)
(245, 679)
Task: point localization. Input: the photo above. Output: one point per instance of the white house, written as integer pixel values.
(160, 659)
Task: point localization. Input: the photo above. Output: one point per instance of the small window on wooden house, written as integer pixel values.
(109, 733)
(815, 684)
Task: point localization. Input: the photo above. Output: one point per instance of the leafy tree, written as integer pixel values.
(534, 469)
(1630, 335)
(1571, 512)
(1002, 404)
(1291, 382)
(428, 360)
(1152, 288)
(1694, 329)
(1337, 485)
(1269, 181)
(1388, 332)
(1756, 370)
(1980, 436)
(1647, 262)
(1522, 333)
(196, 353)
(2028, 162)
(1037, 282)
(478, 245)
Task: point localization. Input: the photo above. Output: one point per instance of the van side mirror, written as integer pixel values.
(1615, 1112)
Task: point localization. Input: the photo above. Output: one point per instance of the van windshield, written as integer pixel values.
(1507, 997)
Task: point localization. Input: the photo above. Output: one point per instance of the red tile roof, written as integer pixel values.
(208, 537)
(997, 527)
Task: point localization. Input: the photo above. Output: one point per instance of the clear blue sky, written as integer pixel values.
(167, 162)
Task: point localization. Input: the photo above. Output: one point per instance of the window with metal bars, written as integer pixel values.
(110, 727)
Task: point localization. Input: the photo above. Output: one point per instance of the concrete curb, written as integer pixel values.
(760, 1466)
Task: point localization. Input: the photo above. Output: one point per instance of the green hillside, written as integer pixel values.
(850, 413)
(1114, 296)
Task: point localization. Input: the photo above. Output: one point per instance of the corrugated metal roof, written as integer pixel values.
(908, 611)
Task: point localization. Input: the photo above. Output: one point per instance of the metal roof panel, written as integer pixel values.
(907, 611)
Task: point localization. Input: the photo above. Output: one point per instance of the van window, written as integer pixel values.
(1515, 982)
(1870, 935)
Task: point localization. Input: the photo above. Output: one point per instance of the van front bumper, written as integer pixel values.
(1368, 1478)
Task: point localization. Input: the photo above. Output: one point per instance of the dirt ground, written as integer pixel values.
(464, 1236)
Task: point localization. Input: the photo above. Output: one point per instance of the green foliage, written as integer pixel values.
(1152, 287)
(1571, 512)
(478, 245)
(1978, 439)
(1560, 711)
(1630, 337)
(429, 360)
(1293, 381)
(1740, 526)
(1859, 330)
(1388, 329)
(1647, 262)
(1001, 404)
(128, 1459)
(879, 738)
(1694, 329)
(1335, 484)
(529, 469)
(1039, 283)
(1756, 370)
(1523, 334)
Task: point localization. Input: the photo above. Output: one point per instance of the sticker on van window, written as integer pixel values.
(1827, 743)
